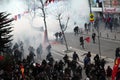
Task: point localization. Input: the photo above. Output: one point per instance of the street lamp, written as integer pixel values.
(99, 41)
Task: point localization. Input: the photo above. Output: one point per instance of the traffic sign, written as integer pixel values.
(91, 17)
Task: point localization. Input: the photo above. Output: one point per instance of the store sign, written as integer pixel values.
(110, 10)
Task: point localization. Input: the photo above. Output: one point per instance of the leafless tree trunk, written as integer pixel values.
(44, 18)
(63, 29)
(42, 8)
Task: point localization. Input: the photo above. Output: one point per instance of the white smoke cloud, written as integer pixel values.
(77, 10)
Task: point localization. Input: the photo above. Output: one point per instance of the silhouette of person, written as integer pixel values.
(76, 30)
(93, 37)
(49, 48)
(117, 52)
(82, 42)
(75, 56)
(39, 51)
(56, 35)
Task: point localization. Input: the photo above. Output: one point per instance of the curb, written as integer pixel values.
(80, 61)
(109, 61)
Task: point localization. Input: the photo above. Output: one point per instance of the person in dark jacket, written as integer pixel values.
(61, 66)
(117, 52)
(48, 48)
(56, 35)
(39, 51)
(31, 56)
(93, 37)
(109, 73)
(75, 56)
(89, 54)
(102, 75)
(79, 71)
(87, 59)
(76, 30)
(49, 56)
(82, 42)
(66, 59)
(97, 60)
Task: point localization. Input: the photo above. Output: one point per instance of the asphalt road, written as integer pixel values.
(107, 46)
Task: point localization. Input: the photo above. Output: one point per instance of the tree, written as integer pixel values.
(38, 9)
(43, 13)
(44, 18)
(63, 28)
(62, 15)
(5, 30)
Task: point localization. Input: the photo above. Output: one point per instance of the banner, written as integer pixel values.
(18, 16)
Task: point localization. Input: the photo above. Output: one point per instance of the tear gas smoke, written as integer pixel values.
(77, 10)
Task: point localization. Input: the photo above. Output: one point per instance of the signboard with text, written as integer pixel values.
(111, 10)
(91, 17)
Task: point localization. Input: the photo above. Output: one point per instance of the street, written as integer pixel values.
(107, 46)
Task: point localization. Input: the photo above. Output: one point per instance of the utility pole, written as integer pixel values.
(102, 8)
(90, 6)
(99, 43)
(99, 46)
(91, 15)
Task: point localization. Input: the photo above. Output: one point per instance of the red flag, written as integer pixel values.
(87, 39)
(51, 1)
(115, 68)
(1, 58)
(48, 1)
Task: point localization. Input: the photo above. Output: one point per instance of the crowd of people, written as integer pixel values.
(49, 69)
(21, 68)
(58, 36)
(110, 22)
(17, 68)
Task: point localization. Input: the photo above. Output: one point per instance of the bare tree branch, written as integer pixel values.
(66, 24)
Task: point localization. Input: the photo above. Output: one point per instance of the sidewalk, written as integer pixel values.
(106, 33)
(61, 49)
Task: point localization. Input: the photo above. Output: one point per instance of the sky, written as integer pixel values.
(27, 28)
